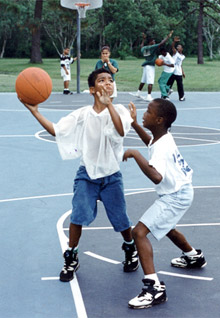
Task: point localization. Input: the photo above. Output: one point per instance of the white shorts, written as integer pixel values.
(148, 74)
(115, 94)
(166, 212)
(65, 76)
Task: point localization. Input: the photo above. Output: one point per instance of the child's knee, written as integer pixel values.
(140, 231)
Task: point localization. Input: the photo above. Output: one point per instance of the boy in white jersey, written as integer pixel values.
(172, 178)
(95, 134)
(178, 73)
(65, 61)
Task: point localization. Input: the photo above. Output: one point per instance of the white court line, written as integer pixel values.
(102, 258)
(135, 191)
(50, 278)
(77, 296)
(185, 276)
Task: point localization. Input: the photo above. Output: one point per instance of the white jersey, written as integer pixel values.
(165, 157)
(92, 137)
(65, 60)
(178, 58)
(168, 60)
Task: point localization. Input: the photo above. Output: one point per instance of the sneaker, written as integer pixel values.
(67, 92)
(149, 98)
(182, 99)
(170, 92)
(137, 94)
(165, 97)
(71, 264)
(196, 261)
(131, 257)
(151, 295)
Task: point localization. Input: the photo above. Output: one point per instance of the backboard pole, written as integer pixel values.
(78, 51)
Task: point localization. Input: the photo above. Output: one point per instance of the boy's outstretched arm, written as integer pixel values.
(45, 123)
(145, 137)
(148, 170)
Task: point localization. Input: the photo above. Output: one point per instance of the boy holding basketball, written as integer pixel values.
(95, 134)
(168, 68)
(172, 176)
(65, 61)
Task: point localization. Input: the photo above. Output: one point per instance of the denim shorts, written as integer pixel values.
(166, 211)
(109, 190)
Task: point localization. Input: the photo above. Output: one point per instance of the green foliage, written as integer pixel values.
(119, 23)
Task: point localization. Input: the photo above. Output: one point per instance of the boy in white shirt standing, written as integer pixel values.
(95, 134)
(65, 61)
(178, 73)
(168, 68)
(172, 177)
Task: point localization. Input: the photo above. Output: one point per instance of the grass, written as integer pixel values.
(204, 77)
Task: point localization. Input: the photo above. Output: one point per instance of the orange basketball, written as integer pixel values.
(159, 62)
(33, 85)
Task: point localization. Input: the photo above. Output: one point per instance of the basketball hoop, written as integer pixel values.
(82, 8)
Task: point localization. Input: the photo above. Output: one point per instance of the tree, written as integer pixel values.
(9, 11)
(60, 25)
(205, 8)
(36, 33)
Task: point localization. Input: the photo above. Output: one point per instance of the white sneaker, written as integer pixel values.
(196, 261)
(170, 92)
(149, 98)
(151, 295)
(137, 94)
(182, 99)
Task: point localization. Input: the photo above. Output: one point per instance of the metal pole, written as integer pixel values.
(78, 52)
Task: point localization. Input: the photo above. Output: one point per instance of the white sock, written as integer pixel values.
(131, 242)
(153, 277)
(191, 253)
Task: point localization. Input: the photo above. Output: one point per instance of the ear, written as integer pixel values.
(160, 120)
(92, 90)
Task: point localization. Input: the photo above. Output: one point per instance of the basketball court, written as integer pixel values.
(35, 203)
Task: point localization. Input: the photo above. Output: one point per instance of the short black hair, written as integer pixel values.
(93, 76)
(167, 110)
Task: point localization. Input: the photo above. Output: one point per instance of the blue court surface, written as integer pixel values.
(35, 204)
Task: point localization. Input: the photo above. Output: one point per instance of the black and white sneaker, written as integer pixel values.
(170, 92)
(151, 295)
(131, 257)
(71, 264)
(196, 261)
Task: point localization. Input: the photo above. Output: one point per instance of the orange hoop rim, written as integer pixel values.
(82, 4)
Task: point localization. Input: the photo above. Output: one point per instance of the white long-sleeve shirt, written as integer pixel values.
(92, 137)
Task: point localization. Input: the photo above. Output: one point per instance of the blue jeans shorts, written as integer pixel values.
(109, 190)
(166, 211)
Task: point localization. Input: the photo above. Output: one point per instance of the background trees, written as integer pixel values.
(39, 28)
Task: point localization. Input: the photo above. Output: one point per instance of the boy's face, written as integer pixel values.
(150, 116)
(103, 80)
(179, 48)
(66, 51)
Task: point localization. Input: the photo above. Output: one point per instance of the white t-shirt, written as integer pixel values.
(178, 58)
(92, 137)
(168, 60)
(165, 157)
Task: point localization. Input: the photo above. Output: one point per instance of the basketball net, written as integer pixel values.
(81, 8)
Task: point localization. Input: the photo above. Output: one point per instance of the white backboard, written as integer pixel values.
(70, 4)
